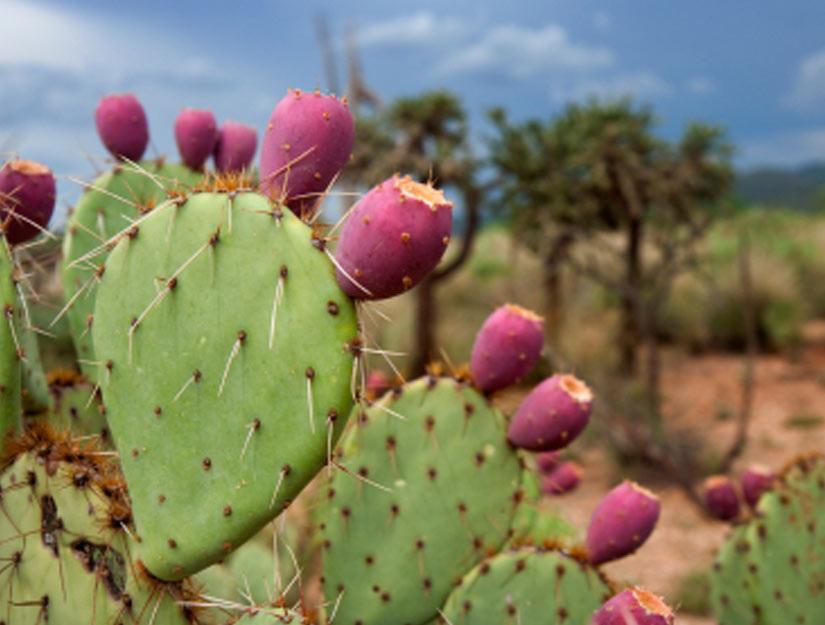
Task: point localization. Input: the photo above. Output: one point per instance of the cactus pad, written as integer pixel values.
(527, 586)
(441, 492)
(105, 209)
(771, 571)
(10, 370)
(227, 345)
(65, 555)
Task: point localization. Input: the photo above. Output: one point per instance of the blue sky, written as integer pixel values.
(756, 67)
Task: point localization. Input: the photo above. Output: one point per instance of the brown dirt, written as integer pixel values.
(703, 393)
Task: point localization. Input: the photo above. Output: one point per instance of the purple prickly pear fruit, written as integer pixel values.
(622, 521)
(235, 147)
(721, 497)
(506, 348)
(552, 415)
(756, 479)
(122, 126)
(307, 142)
(634, 606)
(27, 197)
(547, 461)
(394, 236)
(377, 384)
(195, 133)
(562, 479)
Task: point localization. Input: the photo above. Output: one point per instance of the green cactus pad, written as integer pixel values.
(36, 398)
(64, 556)
(527, 586)
(77, 408)
(771, 570)
(533, 525)
(106, 208)
(10, 369)
(453, 480)
(218, 322)
(266, 615)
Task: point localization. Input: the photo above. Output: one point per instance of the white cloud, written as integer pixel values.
(524, 53)
(808, 89)
(699, 85)
(640, 85)
(422, 28)
(785, 149)
(47, 37)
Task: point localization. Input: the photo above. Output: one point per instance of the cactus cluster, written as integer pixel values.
(222, 371)
(771, 569)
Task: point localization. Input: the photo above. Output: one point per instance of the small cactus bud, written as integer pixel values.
(195, 133)
(235, 147)
(756, 479)
(506, 348)
(721, 497)
(377, 384)
(562, 479)
(547, 461)
(621, 523)
(552, 415)
(122, 126)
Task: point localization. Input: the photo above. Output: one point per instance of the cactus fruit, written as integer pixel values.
(10, 349)
(755, 480)
(65, 543)
(546, 461)
(109, 206)
(770, 570)
(377, 384)
(526, 586)
(27, 197)
(634, 606)
(507, 347)
(196, 132)
(428, 487)
(122, 126)
(394, 236)
(721, 498)
(229, 356)
(307, 142)
(235, 147)
(622, 521)
(562, 479)
(552, 415)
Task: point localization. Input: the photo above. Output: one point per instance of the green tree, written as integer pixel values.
(600, 167)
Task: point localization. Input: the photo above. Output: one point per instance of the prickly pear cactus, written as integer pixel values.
(77, 408)
(229, 366)
(65, 549)
(527, 586)
(10, 370)
(35, 389)
(771, 570)
(427, 488)
(106, 208)
(532, 525)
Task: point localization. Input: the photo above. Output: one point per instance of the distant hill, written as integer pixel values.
(802, 188)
